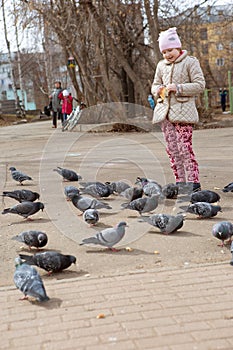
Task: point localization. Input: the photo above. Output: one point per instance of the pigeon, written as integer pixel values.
(50, 261)
(18, 175)
(97, 190)
(150, 187)
(91, 216)
(83, 203)
(67, 174)
(132, 193)
(205, 196)
(165, 222)
(70, 191)
(32, 238)
(24, 209)
(223, 230)
(203, 209)
(231, 262)
(119, 186)
(108, 237)
(228, 188)
(22, 195)
(170, 191)
(28, 281)
(142, 205)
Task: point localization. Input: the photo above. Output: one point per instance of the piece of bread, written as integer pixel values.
(163, 93)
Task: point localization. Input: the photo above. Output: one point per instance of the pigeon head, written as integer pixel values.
(122, 224)
(12, 168)
(72, 259)
(18, 261)
(42, 238)
(41, 206)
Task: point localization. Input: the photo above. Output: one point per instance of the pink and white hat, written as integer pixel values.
(169, 39)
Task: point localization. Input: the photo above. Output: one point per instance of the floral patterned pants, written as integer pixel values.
(178, 138)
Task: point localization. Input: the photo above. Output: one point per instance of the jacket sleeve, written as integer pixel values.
(196, 78)
(158, 81)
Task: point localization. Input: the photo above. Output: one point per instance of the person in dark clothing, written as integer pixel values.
(56, 103)
(223, 96)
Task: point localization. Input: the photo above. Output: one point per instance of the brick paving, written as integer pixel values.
(179, 309)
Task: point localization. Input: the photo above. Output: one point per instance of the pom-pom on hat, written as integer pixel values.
(169, 39)
(65, 93)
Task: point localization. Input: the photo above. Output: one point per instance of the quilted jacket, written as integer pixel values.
(179, 107)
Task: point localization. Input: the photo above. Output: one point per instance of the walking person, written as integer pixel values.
(223, 96)
(178, 79)
(56, 103)
(67, 103)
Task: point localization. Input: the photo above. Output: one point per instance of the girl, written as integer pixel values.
(67, 103)
(178, 79)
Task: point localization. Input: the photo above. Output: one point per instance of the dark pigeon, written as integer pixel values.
(165, 223)
(223, 230)
(119, 186)
(19, 176)
(132, 193)
(107, 237)
(203, 209)
(205, 196)
(228, 188)
(25, 209)
(32, 238)
(91, 216)
(83, 203)
(50, 261)
(142, 205)
(29, 282)
(22, 195)
(67, 174)
(170, 191)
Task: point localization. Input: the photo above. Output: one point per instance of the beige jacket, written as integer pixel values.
(178, 107)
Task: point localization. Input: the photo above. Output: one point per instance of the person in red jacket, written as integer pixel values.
(67, 103)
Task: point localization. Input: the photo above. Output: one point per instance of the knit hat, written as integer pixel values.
(65, 93)
(169, 39)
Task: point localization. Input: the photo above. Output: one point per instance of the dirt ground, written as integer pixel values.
(36, 149)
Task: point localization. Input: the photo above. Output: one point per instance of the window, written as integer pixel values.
(219, 47)
(203, 34)
(220, 62)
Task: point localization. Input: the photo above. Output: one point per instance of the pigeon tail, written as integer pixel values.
(91, 240)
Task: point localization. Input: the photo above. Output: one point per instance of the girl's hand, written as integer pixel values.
(171, 87)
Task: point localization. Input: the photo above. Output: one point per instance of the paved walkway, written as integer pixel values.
(178, 309)
(183, 308)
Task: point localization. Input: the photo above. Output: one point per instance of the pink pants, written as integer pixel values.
(178, 138)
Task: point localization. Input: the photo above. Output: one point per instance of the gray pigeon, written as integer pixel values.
(50, 261)
(203, 209)
(67, 174)
(228, 188)
(231, 262)
(91, 216)
(119, 186)
(149, 187)
(83, 203)
(28, 281)
(165, 222)
(22, 195)
(170, 191)
(25, 209)
(32, 238)
(70, 191)
(132, 193)
(18, 175)
(107, 237)
(223, 230)
(98, 190)
(142, 205)
(205, 196)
